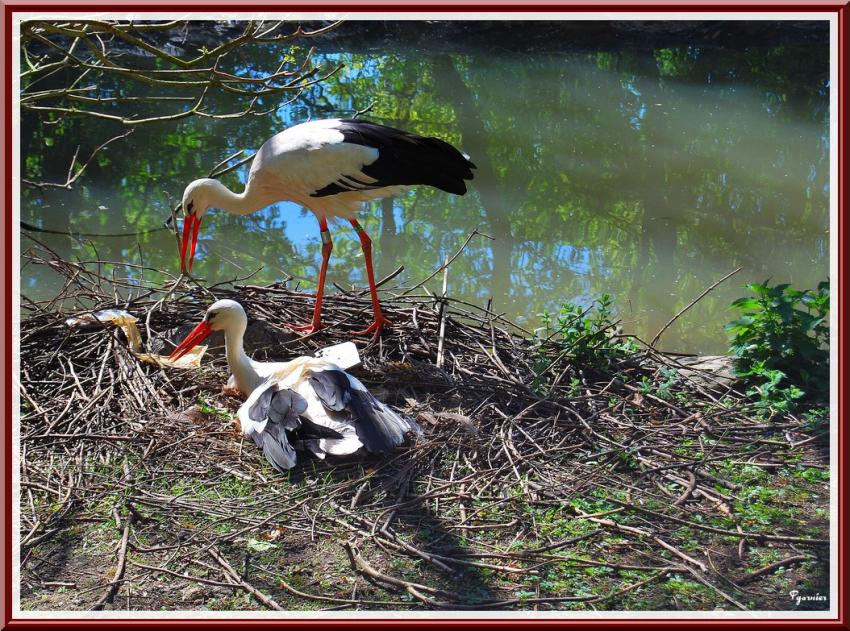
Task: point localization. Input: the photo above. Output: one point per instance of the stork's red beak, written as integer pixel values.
(191, 229)
(198, 335)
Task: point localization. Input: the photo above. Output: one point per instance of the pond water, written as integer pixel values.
(645, 174)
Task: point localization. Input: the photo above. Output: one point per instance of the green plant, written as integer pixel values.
(211, 409)
(589, 335)
(781, 344)
(816, 419)
(671, 378)
(662, 390)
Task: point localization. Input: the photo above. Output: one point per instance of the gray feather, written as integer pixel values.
(280, 409)
(277, 449)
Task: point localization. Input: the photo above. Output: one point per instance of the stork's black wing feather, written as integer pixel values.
(404, 159)
(259, 411)
(276, 447)
(309, 430)
(307, 436)
(281, 410)
(332, 387)
(286, 406)
(378, 427)
(278, 406)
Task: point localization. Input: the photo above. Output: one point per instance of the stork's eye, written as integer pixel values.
(211, 315)
(189, 206)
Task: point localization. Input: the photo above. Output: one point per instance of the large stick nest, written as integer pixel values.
(581, 488)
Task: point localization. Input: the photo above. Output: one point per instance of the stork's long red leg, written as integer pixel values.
(327, 248)
(380, 321)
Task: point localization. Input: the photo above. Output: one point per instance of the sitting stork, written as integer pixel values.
(307, 404)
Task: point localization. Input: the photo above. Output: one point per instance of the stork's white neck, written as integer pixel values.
(248, 201)
(240, 364)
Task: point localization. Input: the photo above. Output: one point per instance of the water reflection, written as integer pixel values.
(647, 175)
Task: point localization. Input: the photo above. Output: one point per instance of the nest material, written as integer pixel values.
(579, 488)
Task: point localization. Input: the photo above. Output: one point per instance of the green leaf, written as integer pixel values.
(741, 322)
(759, 289)
(746, 303)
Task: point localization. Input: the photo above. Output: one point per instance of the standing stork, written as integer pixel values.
(331, 167)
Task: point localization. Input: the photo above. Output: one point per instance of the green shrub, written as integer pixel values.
(781, 344)
(588, 335)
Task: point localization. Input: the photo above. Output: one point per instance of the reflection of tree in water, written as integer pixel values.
(656, 185)
(646, 174)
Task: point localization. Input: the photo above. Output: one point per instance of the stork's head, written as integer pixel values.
(222, 315)
(197, 196)
(197, 199)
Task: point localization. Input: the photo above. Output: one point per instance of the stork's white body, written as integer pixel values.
(303, 159)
